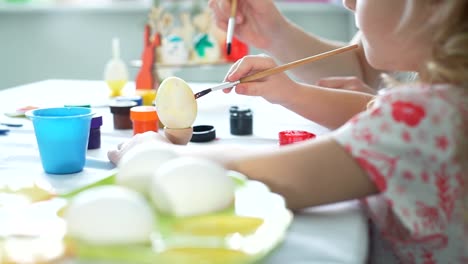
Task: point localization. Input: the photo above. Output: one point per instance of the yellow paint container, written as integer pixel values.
(148, 96)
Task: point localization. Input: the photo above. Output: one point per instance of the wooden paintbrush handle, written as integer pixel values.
(297, 63)
(233, 8)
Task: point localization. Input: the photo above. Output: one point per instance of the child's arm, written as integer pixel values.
(316, 172)
(328, 107)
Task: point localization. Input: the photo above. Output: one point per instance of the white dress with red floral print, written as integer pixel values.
(406, 143)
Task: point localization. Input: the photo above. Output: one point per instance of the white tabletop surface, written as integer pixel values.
(335, 233)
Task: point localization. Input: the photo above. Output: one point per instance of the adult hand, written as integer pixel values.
(257, 21)
(277, 88)
(347, 83)
(144, 138)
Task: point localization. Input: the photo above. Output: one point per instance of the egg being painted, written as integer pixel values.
(110, 215)
(176, 104)
(188, 186)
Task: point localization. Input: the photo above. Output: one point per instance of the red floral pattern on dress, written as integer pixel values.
(430, 216)
(408, 175)
(442, 142)
(406, 136)
(425, 177)
(413, 163)
(385, 128)
(408, 113)
(436, 119)
(366, 135)
(376, 112)
(444, 192)
(375, 174)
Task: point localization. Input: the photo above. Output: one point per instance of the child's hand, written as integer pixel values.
(347, 83)
(277, 88)
(144, 138)
(257, 22)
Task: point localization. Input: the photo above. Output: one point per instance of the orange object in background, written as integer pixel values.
(144, 118)
(146, 79)
(238, 50)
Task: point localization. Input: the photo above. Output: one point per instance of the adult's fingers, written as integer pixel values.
(221, 10)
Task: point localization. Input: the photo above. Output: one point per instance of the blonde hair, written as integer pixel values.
(448, 63)
(449, 57)
(448, 60)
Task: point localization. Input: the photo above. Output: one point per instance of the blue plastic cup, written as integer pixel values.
(62, 137)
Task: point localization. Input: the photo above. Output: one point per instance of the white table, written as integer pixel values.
(328, 234)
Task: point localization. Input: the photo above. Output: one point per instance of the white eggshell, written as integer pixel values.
(138, 165)
(110, 215)
(190, 186)
(175, 103)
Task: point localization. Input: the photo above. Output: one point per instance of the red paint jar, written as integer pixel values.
(291, 136)
(144, 118)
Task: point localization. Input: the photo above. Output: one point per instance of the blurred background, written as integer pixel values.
(71, 39)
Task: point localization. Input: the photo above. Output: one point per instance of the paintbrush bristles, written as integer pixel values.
(202, 93)
(231, 26)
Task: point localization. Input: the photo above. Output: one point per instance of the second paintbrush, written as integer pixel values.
(231, 26)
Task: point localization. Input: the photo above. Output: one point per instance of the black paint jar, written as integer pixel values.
(241, 120)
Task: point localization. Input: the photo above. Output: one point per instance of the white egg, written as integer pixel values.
(138, 165)
(175, 103)
(190, 186)
(110, 215)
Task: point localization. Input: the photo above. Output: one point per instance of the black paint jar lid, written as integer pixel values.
(203, 133)
(121, 107)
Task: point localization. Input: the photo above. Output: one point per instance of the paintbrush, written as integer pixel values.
(277, 69)
(231, 25)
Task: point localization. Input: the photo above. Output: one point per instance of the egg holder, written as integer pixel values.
(243, 233)
(178, 136)
(198, 134)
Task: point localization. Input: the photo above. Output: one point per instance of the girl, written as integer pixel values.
(405, 155)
